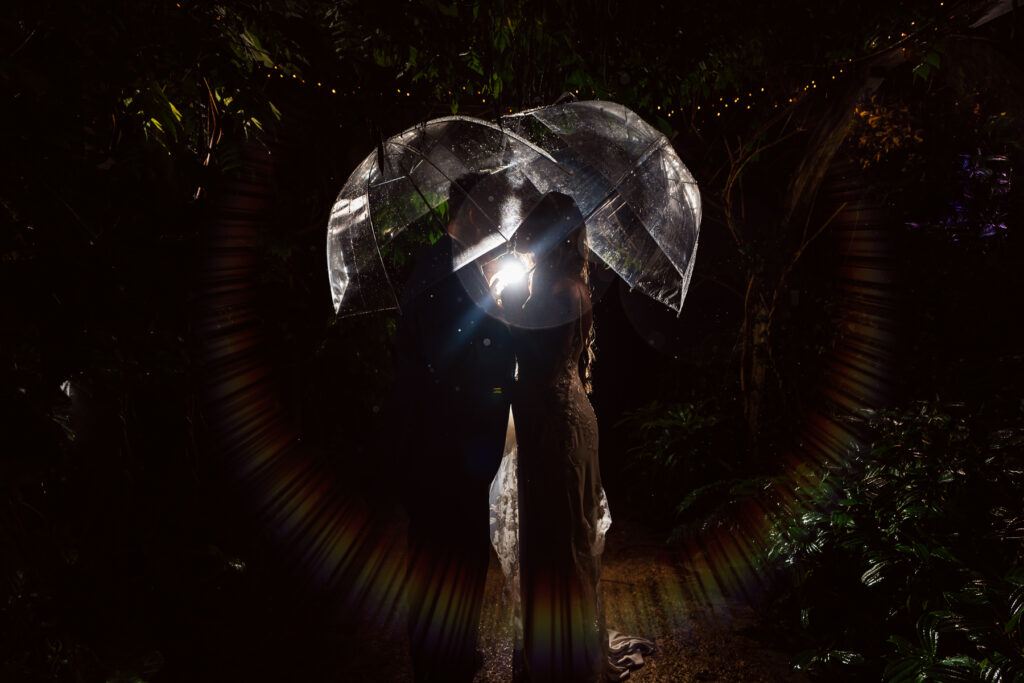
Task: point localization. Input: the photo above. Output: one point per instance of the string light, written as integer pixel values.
(669, 112)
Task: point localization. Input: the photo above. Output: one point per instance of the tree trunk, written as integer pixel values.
(828, 135)
(756, 358)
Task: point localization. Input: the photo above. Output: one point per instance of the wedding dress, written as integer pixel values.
(549, 517)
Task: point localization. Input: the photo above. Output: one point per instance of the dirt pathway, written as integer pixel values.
(646, 593)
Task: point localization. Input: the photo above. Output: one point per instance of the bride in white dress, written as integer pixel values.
(549, 512)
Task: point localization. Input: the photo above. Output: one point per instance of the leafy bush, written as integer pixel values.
(909, 567)
(688, 454)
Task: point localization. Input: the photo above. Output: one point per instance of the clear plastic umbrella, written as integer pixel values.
(640, 203)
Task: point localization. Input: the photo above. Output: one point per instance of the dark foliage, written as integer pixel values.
(687, 458)
(909, 568)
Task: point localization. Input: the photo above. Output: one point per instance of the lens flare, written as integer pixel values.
(511, 274)
(336, 541)
(511, 271)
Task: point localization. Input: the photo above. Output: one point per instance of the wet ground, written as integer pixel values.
(647, 592)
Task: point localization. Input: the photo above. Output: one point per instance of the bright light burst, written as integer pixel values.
(511, 273)
(511, 270)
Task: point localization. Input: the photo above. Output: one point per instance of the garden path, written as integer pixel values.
(647, 592)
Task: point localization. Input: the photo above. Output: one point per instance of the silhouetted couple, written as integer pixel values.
(458, 350)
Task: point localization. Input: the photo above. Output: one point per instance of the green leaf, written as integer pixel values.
(449, 11)
(902, 644)
(873, 575)
(953, 670)
(902, 670)
(928, 634)
(993, 674)
(472, 61)
(960, 661)
(804, 660)
(664, 126)
(1016, 608)
(846, 657)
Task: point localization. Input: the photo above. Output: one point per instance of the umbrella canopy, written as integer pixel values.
(640, 203)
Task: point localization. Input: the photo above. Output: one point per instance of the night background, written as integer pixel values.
(815, 471)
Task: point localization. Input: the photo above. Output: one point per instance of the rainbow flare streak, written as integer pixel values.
(335, 540)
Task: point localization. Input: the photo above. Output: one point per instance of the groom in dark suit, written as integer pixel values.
(455, 369)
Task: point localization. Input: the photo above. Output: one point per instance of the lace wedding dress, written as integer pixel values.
(549, 517)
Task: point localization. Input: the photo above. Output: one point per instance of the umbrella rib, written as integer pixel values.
(656, 144)
(440, 223)
(376, 244)
(651, 148)
(687, 277)
(450, 180)
(643, 157)
(503, 131)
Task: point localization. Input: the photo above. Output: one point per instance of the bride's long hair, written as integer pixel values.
(589, 354)
(566, 257)
(571, 257)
